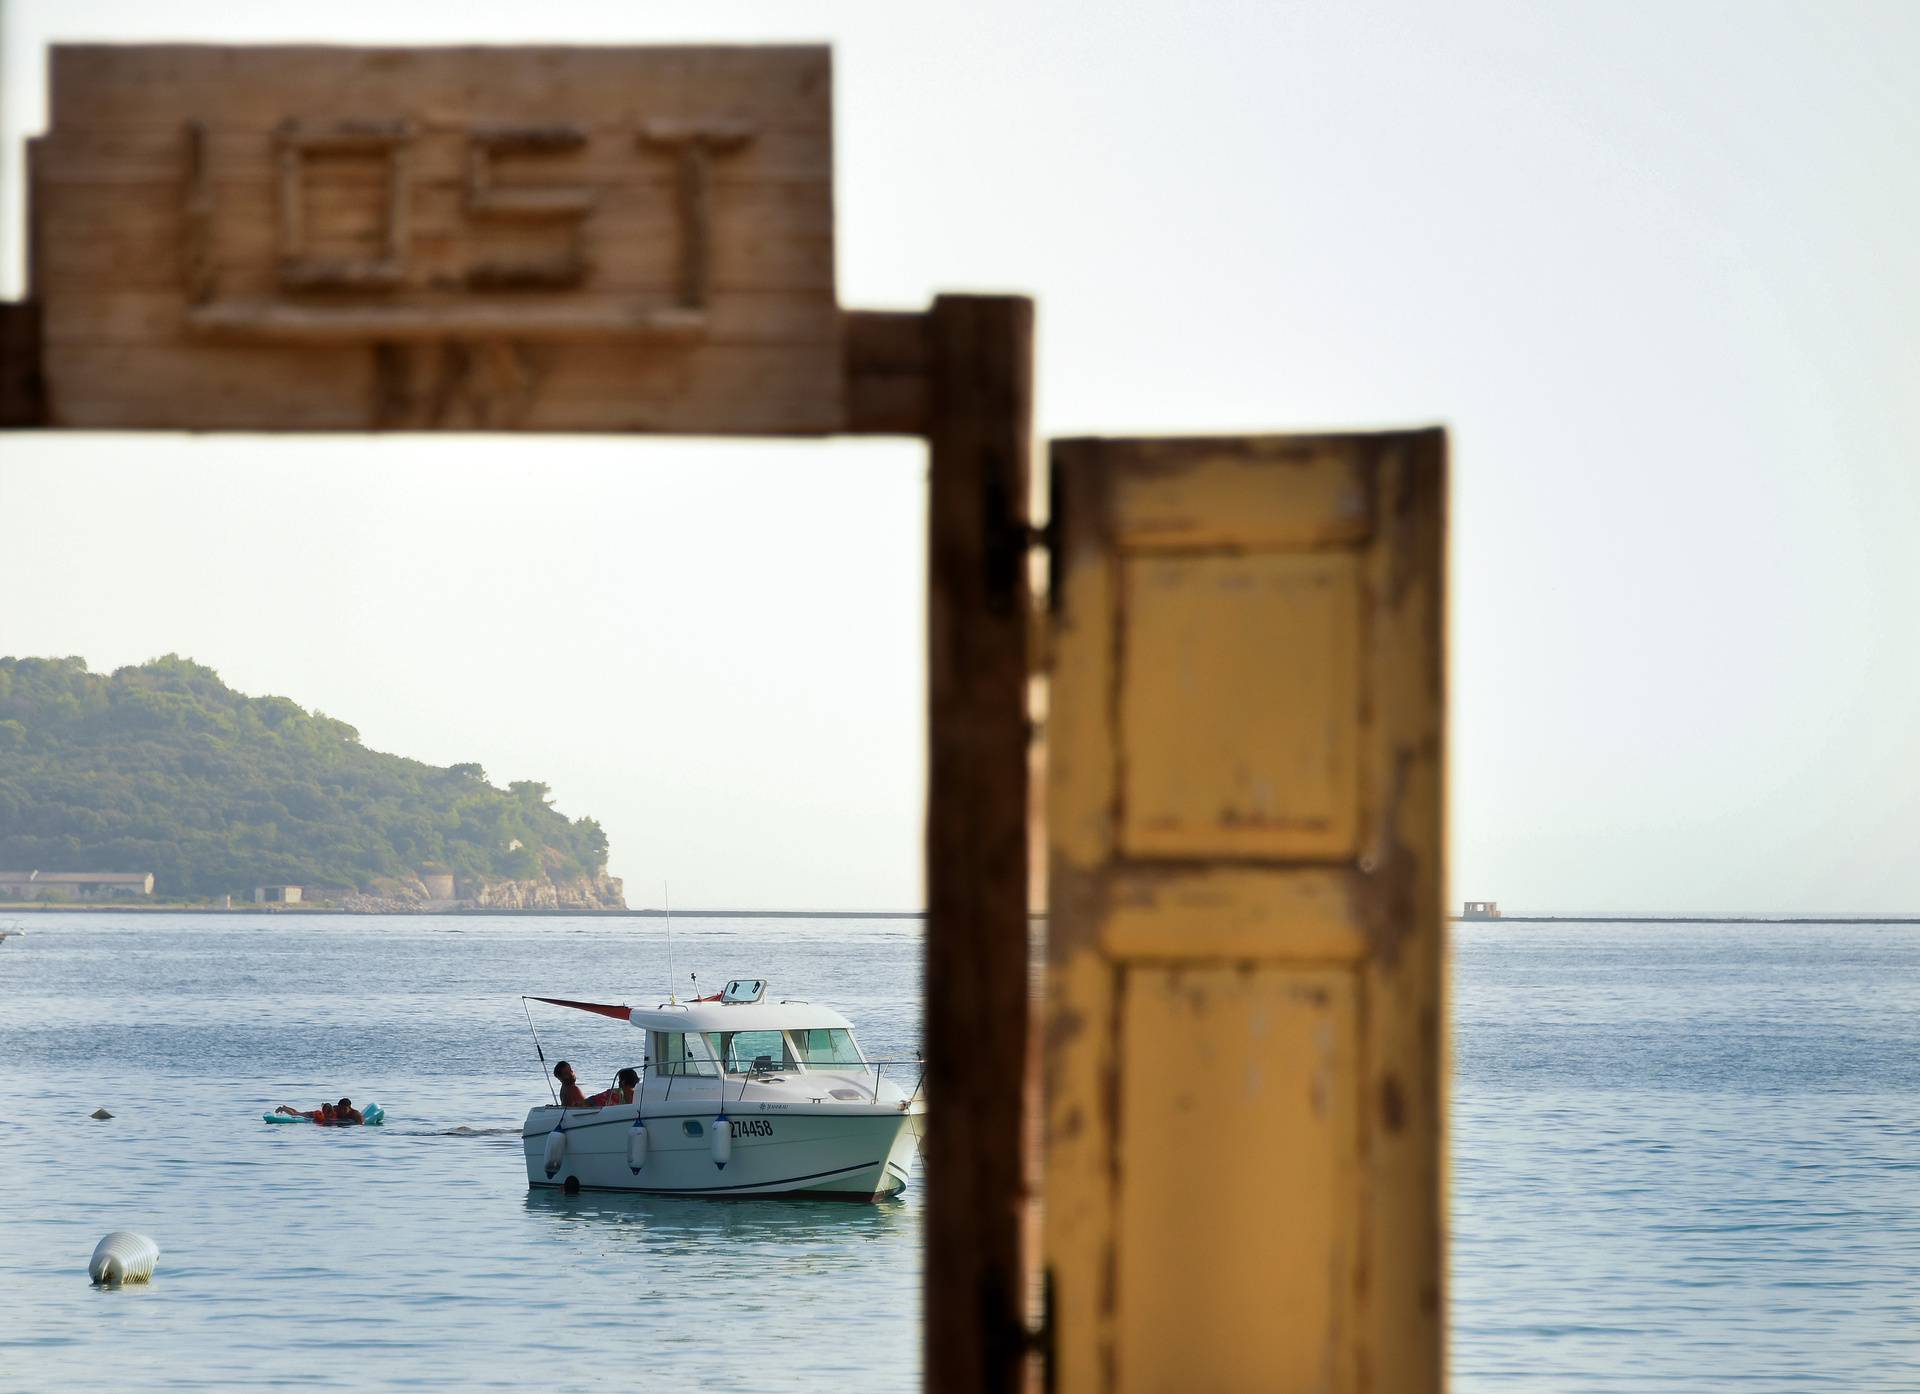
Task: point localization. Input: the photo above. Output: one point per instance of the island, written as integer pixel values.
(158, 783)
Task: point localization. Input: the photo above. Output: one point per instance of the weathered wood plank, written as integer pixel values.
(1237, 1073)
(104, 86)
(1242, 914)
(1082, 1071)
(778, 154)
(1235, 781)
(1303, 490)
(22, 393)
(981, 353)
(718, 389)
(888, 365)
(765, 237)
(161, 317)
(532, 211)
(1401, 907)
(346, 194)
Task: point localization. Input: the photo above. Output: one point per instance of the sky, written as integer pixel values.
(1652, 266)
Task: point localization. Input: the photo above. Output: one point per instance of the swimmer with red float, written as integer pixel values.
(340, 1115)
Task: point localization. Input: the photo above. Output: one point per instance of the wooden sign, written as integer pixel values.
(543, 239)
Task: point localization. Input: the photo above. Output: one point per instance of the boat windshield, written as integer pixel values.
(741, 1050)
(831, 1045)
(679, 1053)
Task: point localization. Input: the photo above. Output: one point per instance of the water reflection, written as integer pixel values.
(696, 1222)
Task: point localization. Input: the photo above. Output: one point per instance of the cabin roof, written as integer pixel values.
(737, 1016)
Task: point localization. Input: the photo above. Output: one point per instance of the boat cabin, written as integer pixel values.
(745, 1037)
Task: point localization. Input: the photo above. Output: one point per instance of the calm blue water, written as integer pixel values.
(1685, 1158)
(410, 1255)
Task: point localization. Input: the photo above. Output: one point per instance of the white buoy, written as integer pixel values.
(722, 1142)
(123, 1257)
(556, 1150)
(637, 1147)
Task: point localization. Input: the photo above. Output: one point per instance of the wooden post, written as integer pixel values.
(980, 434)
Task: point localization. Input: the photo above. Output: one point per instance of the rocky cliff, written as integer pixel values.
(557, 890)
(602, 892)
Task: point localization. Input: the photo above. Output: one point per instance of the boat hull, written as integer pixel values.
(841, 1153)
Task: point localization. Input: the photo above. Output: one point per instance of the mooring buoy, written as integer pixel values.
(123, 1257)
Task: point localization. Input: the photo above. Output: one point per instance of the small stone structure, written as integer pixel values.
(276, 895)
(1482, 910)
(73, 885)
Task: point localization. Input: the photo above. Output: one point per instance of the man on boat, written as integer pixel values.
(570, 1095)
(621, 1093)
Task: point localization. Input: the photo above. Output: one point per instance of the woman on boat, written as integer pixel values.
(621, 1093)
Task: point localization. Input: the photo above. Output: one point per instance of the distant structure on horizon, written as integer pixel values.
(73, 885)
(1482, 910)
(276, 895)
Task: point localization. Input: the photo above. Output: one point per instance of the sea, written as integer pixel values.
(1683, 1157)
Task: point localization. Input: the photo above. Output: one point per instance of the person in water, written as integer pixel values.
(322, 1115)
(570, 1095)
(345, 1114)
(621, 1093)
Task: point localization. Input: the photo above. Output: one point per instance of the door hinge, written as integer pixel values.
(1040, 1338)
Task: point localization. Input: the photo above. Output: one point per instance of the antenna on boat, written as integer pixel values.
(667, 896)
(537, 1051)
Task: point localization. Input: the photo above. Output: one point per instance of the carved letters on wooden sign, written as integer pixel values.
(353, 239)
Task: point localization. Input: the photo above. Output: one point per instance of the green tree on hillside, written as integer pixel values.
(164, 768)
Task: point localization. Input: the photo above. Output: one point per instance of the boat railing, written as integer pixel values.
(877, 1068)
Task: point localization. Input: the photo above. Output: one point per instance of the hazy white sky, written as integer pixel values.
(1652, 264)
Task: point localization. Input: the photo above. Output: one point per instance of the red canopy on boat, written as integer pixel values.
(617, 1013)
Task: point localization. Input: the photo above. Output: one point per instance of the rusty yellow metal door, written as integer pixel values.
(1245, 1034)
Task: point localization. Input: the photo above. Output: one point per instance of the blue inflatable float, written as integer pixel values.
(372, 1116)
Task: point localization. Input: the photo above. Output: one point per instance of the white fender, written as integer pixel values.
(556, 1150)
(123, 1257)
(722, 1142)
(637, 1147)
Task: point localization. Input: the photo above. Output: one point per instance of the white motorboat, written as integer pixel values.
(738, 1096)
